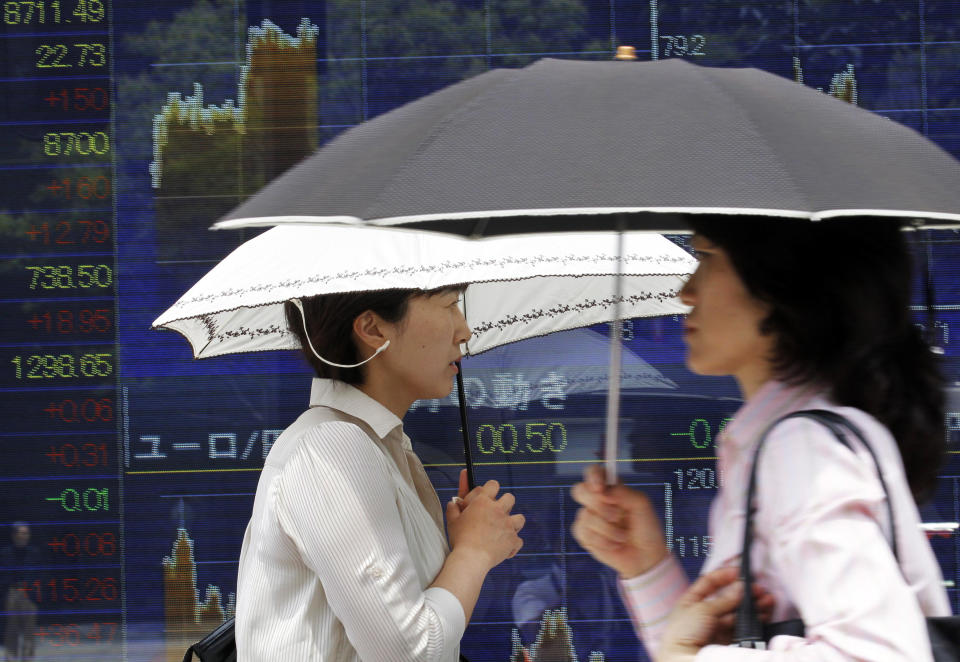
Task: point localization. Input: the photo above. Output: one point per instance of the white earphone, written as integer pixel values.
(381, 348)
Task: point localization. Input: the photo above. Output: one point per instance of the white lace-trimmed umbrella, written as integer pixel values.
(520, 286)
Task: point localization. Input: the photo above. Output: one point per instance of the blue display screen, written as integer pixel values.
(127, 128)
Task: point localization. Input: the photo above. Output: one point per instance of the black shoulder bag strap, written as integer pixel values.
(749, 632)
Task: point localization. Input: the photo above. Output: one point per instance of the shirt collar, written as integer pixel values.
(773, 400)
(350, 400)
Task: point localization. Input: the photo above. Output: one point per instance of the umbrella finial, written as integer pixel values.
(625, 53)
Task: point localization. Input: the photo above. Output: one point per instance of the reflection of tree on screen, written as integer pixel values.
(221, 131)
(208, 157)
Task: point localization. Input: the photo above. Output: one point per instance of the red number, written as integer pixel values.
(86, 98)
(64, 321)
(62, 230)
(68, 634)
(85, 187)
(101, 589)
(109, 546)
(92, 544)
(94, 455)
(55, 454)
(69, 589)
(39, 233)
(89, 410)
(35, 588)
(79, 98)
(95, 321)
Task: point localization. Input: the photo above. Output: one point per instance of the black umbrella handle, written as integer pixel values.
(463, 427)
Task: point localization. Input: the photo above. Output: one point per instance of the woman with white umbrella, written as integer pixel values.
(345, 556)
(806, 316)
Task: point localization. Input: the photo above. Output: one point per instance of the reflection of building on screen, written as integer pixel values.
(554, 642)
(186, 618)
(843, 85)
(207, 156)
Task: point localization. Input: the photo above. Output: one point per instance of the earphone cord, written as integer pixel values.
(303, 315)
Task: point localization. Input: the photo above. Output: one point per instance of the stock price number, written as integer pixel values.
(682, 46)
(68, 277)
(536, 438)
(83, 188)
(64, 322)
(75, 456)
(700, 433)
(71, 589)
(696, 478)
(39, 12)
(78, 99)
(65, 56)
(694, 546)
(72, 634)
(63, 366)
(89, 410)
(91, 499)
(70, 233)
(92, 545)
(82, 143)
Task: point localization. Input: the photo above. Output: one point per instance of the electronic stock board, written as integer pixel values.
(126, 128)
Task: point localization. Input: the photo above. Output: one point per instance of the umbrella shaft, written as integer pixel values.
(467, 458)
(613, 389)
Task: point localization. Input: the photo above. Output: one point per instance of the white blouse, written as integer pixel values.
(341, 548)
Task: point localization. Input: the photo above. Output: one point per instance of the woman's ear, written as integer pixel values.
(371, 332)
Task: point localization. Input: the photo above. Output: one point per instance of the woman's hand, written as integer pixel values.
(480, 523)
(482, 534)
(703, 615)
(763, 603)
(617, 525)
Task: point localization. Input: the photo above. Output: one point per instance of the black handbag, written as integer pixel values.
(218, 646)
(749, 632)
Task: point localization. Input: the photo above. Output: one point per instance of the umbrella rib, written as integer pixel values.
(506, 77)
(744, 111)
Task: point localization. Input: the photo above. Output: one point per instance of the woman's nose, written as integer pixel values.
(688, 291)
(463, 332)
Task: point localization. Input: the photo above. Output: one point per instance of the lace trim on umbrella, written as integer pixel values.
(492, 264)
(579, 307)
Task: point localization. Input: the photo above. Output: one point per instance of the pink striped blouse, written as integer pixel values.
(821, 544)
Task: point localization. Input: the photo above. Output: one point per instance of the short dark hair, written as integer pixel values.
(329, 318)
(839, 297)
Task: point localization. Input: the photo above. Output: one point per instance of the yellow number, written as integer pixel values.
(51, 144)
(51, 57)
(11, 13)
(537, 430)
(493, 438)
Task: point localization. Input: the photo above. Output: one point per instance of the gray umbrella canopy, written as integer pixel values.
(632, 145)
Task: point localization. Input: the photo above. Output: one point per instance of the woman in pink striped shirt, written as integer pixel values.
(804, 316)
